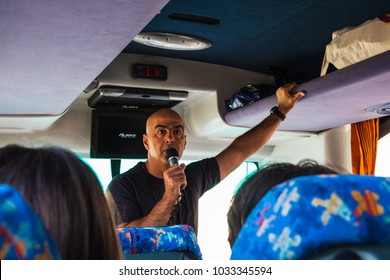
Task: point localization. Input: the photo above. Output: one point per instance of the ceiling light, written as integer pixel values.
(171, 41)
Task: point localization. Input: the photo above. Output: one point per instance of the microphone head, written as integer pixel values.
(172, 152)
(172, 156)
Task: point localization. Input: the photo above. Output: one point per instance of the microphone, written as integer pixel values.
(172, 156)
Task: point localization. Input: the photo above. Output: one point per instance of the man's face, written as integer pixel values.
(164, 130)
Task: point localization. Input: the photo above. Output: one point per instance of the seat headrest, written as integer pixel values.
(307, 215)
(22, 233)
(159, 239)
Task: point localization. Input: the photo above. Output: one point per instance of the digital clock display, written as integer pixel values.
(153, 72)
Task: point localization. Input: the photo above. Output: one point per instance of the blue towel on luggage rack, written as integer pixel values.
(306, 215)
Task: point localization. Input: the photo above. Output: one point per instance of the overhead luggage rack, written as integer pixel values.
(347, 93)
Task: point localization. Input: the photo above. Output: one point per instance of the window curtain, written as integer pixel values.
(364, 144)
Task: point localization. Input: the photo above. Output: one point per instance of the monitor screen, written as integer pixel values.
(118, 134)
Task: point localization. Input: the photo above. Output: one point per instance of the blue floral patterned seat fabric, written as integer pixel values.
(22, 233)
(307, 215)
(159, 239)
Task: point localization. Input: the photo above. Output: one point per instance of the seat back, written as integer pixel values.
(164, 242)
(22, 233)
(320, 217)
(357, 252)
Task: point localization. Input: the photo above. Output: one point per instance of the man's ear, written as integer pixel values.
(145, 140)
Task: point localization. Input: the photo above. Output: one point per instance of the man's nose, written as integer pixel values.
(169, 138)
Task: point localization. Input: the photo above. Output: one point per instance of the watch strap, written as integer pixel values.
(275, 110)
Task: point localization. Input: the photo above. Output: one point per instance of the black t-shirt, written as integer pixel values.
(136, 192)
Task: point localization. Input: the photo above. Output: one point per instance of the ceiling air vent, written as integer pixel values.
(382, 109)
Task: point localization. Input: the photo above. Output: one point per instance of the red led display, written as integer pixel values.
(144, 71)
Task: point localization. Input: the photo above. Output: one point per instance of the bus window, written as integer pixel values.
(213, 208)
(382, 167)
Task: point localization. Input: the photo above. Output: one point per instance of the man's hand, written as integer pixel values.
(174, 180)
(286, 100)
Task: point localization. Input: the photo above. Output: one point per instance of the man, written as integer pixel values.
(153, 193)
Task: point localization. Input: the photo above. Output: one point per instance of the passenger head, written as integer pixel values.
(257, 184)
(164, 130)
(67, 195)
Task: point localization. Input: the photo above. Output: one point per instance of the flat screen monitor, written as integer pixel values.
(118, 134)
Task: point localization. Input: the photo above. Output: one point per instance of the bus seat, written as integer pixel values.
(319, 217)
(163, 242)
(357, 252)
(22, 233)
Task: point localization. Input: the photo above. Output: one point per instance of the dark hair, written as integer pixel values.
(257, 184)
(67, 195)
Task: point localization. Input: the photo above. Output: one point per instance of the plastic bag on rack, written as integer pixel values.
(247, 95)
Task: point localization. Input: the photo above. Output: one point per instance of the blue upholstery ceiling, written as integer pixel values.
(262, 35)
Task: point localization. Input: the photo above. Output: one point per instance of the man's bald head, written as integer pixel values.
(162, 116)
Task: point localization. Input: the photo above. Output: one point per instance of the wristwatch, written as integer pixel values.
(275, 110)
